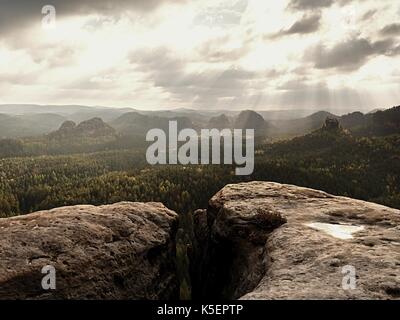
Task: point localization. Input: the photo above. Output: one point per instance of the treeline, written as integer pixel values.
(32, 184)
(44, 145)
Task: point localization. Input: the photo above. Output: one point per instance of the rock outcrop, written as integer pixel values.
(332, 124)
(93, 128)
(256, 240)
(120, 251)
(251, 120)
(263, 240)
(219, 122)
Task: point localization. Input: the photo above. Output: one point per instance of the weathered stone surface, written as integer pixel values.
(273, 241)
(120, 251)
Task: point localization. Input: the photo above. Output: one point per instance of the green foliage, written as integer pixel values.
(336, 162)
(11, 147)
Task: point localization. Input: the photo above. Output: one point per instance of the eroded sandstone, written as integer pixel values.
(256, 240)
(262, 240)
(120, 251)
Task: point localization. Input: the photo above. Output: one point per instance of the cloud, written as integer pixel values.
(315, 4)
(15, 15)
(351, 54)
(161, 63)
(395, 51)
(216, 55)
(209, 53)
(295, 85)
(310, 4)
(20, 78)
(222, 13)
(308, 24)
(224, 49)
(391, 29)
(368, 15)
(54, 56)
(205, 87)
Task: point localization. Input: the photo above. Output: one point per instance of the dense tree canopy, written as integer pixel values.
(364, 168)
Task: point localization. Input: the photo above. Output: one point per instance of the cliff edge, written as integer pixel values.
(256, 240)
(263, 240)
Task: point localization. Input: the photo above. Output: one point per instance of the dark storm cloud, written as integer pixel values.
(391, 29)
(310, 4)
(15, 15)
(308, 24)
(350, 54)
(314, 4)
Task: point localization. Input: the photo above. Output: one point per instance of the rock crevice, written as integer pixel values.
(256, 240)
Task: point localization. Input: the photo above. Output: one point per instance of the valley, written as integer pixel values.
(96, 163)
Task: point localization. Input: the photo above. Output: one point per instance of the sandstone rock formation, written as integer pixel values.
(263, 240)
(331, 124)
(93, 128)
(120, 251)
(256, 240)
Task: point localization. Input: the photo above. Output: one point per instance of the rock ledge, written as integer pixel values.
(120, 251)
(262, 240)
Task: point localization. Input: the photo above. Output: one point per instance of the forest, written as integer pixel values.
(335, 161)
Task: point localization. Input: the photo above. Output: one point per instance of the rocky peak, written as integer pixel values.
(68, 126)
(95, 127)
(332, 124)
(219, 122)
(94, 123)
(249, 120)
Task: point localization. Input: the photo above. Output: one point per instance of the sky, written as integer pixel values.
(202, 54)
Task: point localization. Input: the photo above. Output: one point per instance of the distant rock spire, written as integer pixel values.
(332, 124)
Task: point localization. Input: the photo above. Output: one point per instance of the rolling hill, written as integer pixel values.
(134, 123)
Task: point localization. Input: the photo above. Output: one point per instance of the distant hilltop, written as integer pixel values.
(95, 127)
(44, 120)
